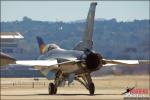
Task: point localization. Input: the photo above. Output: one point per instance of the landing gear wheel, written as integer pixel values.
(91, 88)
(55, 90)
(52, 89)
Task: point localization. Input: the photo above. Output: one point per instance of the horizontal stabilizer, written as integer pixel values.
(124, 62)
(37, 62)
(42, 62)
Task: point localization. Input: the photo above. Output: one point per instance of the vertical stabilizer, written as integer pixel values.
(86, 41)
(87, 36)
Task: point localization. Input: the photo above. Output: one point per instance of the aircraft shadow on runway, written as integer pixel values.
(60, 94)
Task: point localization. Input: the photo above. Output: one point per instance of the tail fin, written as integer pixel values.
(87, 36)
(86, 42)
(41, 44)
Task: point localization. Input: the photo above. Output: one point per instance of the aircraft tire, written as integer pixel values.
(52, 89)
(55, 89)
(91, 88)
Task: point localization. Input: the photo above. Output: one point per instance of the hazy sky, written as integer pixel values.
(73, 10)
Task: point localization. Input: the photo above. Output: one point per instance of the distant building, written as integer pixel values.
(9, 42)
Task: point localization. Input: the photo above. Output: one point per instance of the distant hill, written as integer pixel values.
(114, 40)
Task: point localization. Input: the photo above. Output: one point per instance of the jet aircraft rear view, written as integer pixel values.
(76, 64)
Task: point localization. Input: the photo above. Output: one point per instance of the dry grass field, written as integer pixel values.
(108, 87)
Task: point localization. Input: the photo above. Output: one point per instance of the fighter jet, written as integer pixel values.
(76, 64)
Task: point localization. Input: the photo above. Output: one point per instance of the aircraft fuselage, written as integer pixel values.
(62, 55)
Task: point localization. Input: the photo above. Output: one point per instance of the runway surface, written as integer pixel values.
(106, 88)
(70, 94)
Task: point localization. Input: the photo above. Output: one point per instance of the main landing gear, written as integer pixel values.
(91, 88)
(87, 82)
(84, 80)
(52, 89)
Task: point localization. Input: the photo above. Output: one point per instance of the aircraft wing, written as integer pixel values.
(6, 59)
(124, 62)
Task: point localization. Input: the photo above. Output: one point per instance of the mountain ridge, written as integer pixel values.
(113, 39)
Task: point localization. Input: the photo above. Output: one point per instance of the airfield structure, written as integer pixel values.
(9, 42)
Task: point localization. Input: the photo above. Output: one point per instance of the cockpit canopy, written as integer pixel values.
(51, 47)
